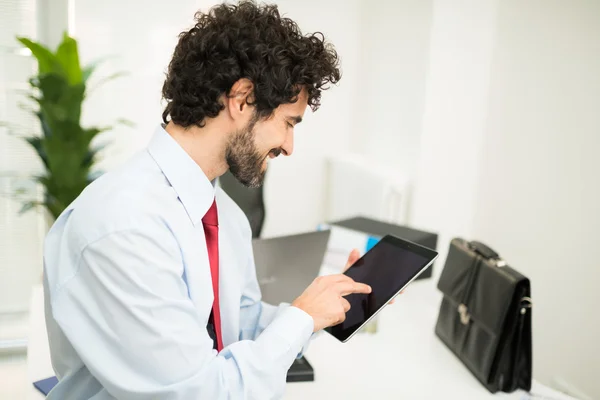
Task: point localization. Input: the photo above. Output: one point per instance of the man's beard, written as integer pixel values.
(244, 160)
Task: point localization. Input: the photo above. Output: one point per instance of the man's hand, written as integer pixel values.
(323, 300)
(352, 258)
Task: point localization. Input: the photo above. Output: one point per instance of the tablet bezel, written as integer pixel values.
(428, 253)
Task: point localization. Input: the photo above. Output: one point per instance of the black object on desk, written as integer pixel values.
(380, 228)
(491, 332)
(300, 371)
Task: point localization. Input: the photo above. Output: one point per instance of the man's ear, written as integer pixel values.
(240, 95)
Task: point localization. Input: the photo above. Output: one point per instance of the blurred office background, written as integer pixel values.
(472, 118)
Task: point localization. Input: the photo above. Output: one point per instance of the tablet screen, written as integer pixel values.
(388, 267)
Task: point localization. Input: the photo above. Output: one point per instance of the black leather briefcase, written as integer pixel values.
(485, 316)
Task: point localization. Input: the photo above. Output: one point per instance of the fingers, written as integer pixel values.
(361, 288)
(346, 307)
(352, 258)
(346, 285)
(354, 287)
(392, 301)
(343, 284)
(345, 304)
(341, 278)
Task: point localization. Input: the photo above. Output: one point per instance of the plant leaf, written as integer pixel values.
(28, 205)
(45, 128)
(91, 133)
(33, 98)
(47, 61)
(11, 129)
(37, 143)
(94, 175)
(90, 68)
(52, 87)
(60, 102)
(54, 206)
(68, 57)
(20, 191)
(107, 79)
(86, 72)
(65, 146)
(7, 125)
(126, 122)
(90, 157)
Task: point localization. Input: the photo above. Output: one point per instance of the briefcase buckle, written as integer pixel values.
(465, 317)
(500, 263)
(525, 304)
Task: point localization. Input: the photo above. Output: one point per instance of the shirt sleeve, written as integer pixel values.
(127, 314)
(256, 315)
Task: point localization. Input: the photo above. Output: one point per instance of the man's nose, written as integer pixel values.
(288, 145)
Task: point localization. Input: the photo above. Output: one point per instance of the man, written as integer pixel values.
(151, 290)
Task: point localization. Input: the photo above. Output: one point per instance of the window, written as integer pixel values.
(20, 235)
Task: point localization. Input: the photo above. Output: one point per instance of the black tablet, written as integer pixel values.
(388, 268)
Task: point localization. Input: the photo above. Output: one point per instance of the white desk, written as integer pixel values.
(403, 360)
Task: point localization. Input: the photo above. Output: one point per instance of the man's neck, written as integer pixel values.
(206, 146)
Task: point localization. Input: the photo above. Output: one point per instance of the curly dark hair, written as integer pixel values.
(250, 41)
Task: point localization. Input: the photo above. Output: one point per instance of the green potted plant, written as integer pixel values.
(65, 147)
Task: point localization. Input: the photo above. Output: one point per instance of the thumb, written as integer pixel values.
(352, 258)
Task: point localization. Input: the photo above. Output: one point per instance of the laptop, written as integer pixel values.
(287, 265)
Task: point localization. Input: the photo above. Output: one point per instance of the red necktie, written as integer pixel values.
(211, 231)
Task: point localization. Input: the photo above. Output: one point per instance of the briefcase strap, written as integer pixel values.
(487, 252)
(463, 310)
(483, 252)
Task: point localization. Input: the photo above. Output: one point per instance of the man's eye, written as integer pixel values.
(290, 125)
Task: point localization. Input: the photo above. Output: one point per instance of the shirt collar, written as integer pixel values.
(193, 188)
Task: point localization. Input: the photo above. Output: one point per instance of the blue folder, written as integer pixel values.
(46, 385)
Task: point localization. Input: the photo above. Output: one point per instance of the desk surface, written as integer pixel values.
(403, 360)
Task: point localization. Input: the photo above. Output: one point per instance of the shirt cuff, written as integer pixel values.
(287, 334)
(293, 319)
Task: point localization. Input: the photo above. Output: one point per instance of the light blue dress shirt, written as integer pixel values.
(122, 322)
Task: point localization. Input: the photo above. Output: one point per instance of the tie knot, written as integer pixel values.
(211, 217)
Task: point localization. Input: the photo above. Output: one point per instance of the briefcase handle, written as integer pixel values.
(483, 250)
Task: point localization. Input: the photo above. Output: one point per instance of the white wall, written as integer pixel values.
(52, 20)
(539, 193)
(295, 186)
(136, 37)
(460, 57)
(507, 156)
(20, 235)
(390, 99)
(375, 112)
